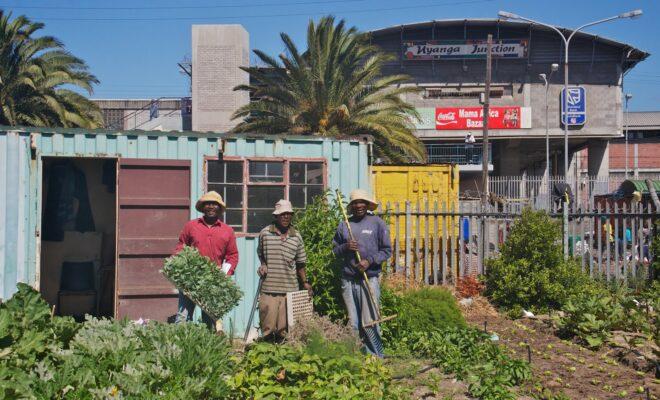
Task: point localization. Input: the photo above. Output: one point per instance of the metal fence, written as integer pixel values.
(457, 154)
(437, 243)
(536, 192)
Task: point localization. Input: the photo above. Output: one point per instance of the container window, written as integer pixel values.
(250, 201)
(305, 182)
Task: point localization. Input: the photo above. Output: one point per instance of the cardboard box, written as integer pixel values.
(76, 304)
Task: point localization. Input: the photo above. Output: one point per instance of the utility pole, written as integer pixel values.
(484, 152)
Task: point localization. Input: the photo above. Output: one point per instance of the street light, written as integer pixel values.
(628, 97)
(567, 41)
(553, 68)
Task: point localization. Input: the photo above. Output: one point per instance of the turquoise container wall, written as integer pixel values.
(22, 149)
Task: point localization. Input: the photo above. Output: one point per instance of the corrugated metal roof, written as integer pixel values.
(639, 185)
(643, 119)
(208, 135)
(634, 56)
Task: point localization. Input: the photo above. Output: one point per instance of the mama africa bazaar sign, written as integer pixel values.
(471, 118)
(458, 49)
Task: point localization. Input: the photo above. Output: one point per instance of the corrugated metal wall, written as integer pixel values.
(16, 259)
(20, 193)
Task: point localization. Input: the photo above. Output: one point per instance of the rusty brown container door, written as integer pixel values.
(153, 205)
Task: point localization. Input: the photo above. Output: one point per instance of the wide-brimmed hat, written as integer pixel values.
(283, 206)
(211, 196)
(360, 194)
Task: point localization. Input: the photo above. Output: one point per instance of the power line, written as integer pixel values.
(434, 5)
(296, 3)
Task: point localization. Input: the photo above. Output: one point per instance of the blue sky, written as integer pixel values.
(133, 46)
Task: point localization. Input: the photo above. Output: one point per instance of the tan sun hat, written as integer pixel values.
(360, 194)
(211, 196)
(283, 206)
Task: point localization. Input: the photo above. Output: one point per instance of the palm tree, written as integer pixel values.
(334, 88)
(37, 75)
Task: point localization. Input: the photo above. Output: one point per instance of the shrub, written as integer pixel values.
(531, 272)
(469, 286)
(318, 370)
(317, 225)
(203, 282)
(419, 310)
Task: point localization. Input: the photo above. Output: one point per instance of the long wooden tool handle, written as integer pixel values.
(357, 253)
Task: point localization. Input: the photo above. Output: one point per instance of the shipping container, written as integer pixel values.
(423, 188)
(132, 191)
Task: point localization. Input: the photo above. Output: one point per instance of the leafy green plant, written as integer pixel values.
(418, 310)
(44, 357)
(531, 272)
(203, 282)
(319, 370)
(29, 336)
(471, 356)
(317, 224)
(593, 316)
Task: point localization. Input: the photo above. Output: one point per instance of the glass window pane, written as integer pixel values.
(315, 173)
(266, 171)
(234, 218)
(215, 171)
(235, 172)
(258, 219)
(297, 196)
(313, 191)
(231, 194)
(297, 172)
(264, 196)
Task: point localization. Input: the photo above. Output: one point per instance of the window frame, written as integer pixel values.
(246, 179)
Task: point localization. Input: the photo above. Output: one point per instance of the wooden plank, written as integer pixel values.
(436, 244)
(407, 257)
(617, 267)
(609, 245)
(397, 238)
(417, 259)
(445, 245)
(427, 245)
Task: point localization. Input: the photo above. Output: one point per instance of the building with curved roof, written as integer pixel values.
(446, 60)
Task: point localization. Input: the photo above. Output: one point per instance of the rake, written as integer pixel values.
(370, 329)
(251, 331)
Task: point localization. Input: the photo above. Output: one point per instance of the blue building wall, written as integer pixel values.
(21, 152)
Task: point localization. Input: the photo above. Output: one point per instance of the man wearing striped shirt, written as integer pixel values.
(282, 255)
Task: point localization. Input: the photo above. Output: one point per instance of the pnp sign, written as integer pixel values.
(574, 107)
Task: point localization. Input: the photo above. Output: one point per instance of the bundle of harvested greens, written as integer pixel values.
(203, 282)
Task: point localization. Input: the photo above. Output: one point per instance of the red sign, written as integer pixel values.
(465, 118)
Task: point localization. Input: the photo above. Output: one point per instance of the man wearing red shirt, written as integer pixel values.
(215, 240)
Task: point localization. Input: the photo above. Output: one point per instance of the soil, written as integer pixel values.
(564, 366)
(559, 366)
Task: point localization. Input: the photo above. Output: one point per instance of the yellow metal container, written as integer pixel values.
(415, 183)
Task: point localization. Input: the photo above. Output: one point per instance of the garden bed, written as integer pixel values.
(564, 366)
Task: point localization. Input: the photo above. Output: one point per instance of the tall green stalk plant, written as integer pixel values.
(317, 224)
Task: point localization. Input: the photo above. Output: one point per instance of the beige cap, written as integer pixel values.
(360, 194)
(283, 206)
(211, 196)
